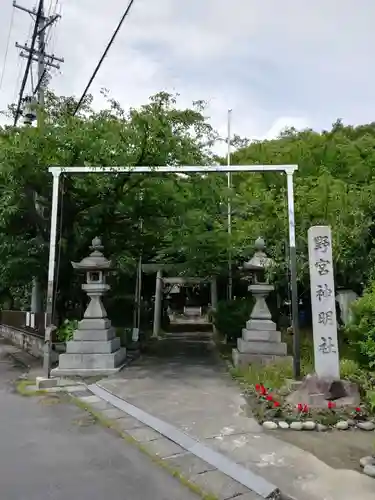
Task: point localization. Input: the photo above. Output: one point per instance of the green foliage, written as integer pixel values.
(350, 370)
(272, 375)
(65, 331)
(231, 316)
(173, 219)
(361, 330)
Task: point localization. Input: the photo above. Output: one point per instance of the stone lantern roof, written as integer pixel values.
(95, 261)
(259, 261)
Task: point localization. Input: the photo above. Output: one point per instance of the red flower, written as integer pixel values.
(358, 409)
(331, 405)
(305, 409)
(299, 407)
(269, 398)
(276, 404)
(263, 390)
(257, 387)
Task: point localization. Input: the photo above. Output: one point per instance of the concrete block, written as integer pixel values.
(268, 348)
(144, 434)
(164, 448)
(94, 324)
(90, 399)
(219, 484)
(260, 324)
(189, 465)
(261, 335)
(94, 335)
(113, 413)
(128, 423)
(93, 346)
(46, 383)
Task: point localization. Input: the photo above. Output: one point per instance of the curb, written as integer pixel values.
(163, 451)
(244, 481)
(216, 478)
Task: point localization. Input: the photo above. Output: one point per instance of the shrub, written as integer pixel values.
(231, 316)
(361, 329)
(65, 331)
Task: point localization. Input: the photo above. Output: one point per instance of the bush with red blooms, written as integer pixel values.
(268, 399)
(272, 406)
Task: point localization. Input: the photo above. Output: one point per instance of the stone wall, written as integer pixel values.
(29, 342)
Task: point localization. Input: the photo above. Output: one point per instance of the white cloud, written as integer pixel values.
(276, 63)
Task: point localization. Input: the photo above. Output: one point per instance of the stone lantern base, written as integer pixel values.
(260, 341)
(94, 350)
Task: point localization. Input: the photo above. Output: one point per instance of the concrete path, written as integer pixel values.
(191, 391)
(55, 452)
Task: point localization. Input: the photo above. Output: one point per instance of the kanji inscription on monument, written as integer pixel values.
(323, 306)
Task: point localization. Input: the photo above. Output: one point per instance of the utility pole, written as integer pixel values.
(43, 61)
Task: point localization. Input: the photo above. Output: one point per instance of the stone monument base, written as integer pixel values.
(317, 391)
(94, 350)
(260, 341)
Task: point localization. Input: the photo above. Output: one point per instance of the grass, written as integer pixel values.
(23, 388)
(277, 374)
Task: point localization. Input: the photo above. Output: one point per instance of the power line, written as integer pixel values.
(29, 59)
(7, 48)
(104, 55)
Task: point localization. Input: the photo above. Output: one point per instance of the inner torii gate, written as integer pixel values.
(161, 281)
(57, 171)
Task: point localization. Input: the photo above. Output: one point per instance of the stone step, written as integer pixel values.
(93, 346)
(269, 348)
(92, 361)
(261, 335)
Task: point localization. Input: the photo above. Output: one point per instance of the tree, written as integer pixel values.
(334, 186)
(111, 206)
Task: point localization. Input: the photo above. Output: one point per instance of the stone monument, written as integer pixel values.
(325, 384)
(95, 349)
(260, 340)
(323, 302)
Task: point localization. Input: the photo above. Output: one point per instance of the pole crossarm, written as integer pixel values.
(192, 169)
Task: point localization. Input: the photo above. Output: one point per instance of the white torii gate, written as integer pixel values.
(56, 171)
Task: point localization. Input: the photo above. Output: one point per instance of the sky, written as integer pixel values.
(275, 63)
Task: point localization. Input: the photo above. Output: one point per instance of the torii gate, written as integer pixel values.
(56, 171)
(176, 280)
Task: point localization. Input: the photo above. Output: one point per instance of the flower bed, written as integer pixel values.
(271, 410)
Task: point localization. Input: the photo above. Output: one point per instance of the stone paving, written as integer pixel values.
(194, 394)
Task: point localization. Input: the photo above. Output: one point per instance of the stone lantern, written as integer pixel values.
(95, 349)
(260, 340)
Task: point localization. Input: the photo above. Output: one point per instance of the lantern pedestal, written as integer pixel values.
(95, 349)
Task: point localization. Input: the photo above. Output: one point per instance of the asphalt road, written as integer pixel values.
(55, 452)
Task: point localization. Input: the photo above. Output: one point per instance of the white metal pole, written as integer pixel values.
(158, 304)
(293, 277)
(229, 176)
(51, 275)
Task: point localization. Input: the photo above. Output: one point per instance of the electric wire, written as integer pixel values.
(127, 10)
(29, 60)
(7, 48)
